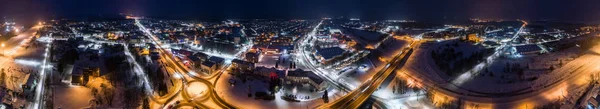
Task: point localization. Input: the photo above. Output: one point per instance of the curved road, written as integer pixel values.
(172, 62)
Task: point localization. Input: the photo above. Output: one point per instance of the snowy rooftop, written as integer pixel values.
(301, 73)
(527, 48)
(329, 53)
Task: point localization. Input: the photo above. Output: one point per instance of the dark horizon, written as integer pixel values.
(577, 11)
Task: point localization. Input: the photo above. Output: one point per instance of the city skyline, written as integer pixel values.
(579, 11)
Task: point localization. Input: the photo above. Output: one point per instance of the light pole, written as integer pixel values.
(2, 48)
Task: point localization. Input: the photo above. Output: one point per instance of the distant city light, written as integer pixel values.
(377, 58)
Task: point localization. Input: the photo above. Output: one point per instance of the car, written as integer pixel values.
(364, 66)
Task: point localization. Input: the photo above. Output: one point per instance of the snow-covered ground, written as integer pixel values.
(461, 52)
(23, 60)
(502, 81)
(374, 62)
(391, 47)
(238, 95)
(72, 97)
(196, 89)
(567, 81)
(535, 67)
(268, 60)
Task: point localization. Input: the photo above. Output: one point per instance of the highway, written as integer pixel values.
(305, 60)
(358, 96)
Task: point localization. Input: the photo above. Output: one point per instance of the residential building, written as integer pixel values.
(253, 55)
(217, 60)
(242, 65)
(194, 61)
(269, 73)
(201, 56)
(528, 50)
(300, 76)
(209, 67)
(29, 86)
(327, 55)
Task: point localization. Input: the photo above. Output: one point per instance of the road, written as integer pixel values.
(566, 81)
(13, 46)
(16, 43)
(464, 77)
(304, 59)
(354, 99)
(190, 76)
(138, 70)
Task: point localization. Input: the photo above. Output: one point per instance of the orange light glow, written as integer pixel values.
(370, 47)
(557, 93)
(410, 82)
(472, 105)
(526, 105)
(382, 59)
(413, 84)
(440, 99)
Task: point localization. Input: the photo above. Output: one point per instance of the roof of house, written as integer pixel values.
(183, 52)
(278, 47)
(201, 55)
(216, 59)
(528, 48)
(329, 53)
(301, 73)
(270, 70)
(241, 62)
(31, 80)
(249, 54)
(208, 63)
(194, 58)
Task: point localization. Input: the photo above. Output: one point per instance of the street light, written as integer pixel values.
(2, 48)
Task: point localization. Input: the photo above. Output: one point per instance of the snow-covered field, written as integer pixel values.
(567, 80)
(238, 94)
(374, 63)
(72, 97)
(269, 60)
(535, 68)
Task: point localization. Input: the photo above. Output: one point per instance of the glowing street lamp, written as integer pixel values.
(2, 48)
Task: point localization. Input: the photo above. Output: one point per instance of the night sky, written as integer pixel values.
(558, 10)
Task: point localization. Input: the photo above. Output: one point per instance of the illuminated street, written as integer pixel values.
(328, 54)
(15, 49)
